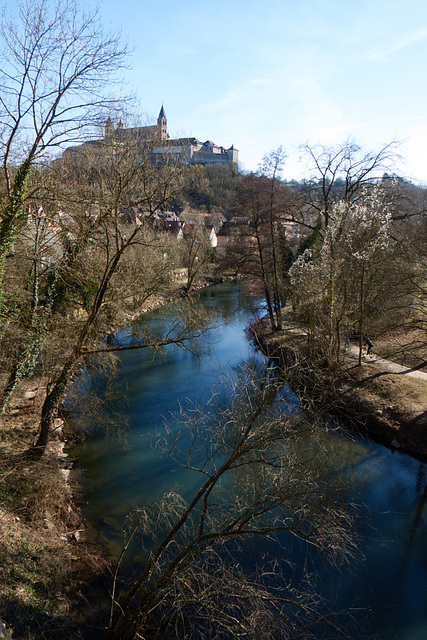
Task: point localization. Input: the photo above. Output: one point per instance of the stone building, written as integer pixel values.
(189, 150)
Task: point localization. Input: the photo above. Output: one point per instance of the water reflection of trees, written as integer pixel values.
(219, 564)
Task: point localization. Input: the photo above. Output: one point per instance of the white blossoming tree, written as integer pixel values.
(335, 286)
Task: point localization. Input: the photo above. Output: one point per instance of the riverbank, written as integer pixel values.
(381, 399)
(40, 524)
(45, 560)
(66, 594)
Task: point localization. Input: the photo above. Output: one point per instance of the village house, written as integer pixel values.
(235, 234)
(195, 216)
(173, 228)
(213, 238)
(192, 229)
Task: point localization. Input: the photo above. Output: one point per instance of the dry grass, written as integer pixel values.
(405, 346)
(38, 520)
(393, 405)
(407, 395)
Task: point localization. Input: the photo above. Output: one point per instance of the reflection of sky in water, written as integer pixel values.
(116, 478)
(387, 591)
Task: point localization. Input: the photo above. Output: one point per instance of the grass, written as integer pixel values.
(37, 521)
(404, 392)
(407, 347)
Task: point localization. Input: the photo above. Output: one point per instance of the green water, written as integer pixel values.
(386, 592)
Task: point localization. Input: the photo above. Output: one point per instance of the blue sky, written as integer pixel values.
(259, 74)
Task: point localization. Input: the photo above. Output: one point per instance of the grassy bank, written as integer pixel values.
(389, 407)
(40, 556)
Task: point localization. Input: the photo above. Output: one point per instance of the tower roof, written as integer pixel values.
(162, 113)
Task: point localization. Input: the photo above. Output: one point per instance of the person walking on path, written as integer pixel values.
(369, 345)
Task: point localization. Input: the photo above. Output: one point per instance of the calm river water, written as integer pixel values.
(386, 591)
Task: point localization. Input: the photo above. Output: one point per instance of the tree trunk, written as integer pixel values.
(361, 314)
(12, 216)
(338, 340)
(265, 283)
(50, 408)
(53, 398)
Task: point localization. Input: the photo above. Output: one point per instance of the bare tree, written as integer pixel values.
(259, 485)
(57, 66)
(51, 251)
(339, 173)
(196, 252)
(272, 167)
(117, 172)
(261, 248)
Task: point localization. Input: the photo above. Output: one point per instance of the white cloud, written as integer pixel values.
(402, 42)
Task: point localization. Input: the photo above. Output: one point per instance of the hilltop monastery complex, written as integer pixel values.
(187, 150)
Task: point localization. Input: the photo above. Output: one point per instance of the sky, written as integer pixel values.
(264, 73)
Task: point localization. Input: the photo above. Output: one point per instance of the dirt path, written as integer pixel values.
(382, 363)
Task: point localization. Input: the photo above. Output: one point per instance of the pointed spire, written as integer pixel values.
(162, 125)
(109, 128)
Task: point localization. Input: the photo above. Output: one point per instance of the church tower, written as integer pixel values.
(109, 129)
(162, 125)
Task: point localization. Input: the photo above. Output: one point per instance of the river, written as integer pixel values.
(386, 590)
